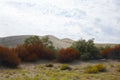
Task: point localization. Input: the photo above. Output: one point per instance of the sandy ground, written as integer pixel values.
(38, 71)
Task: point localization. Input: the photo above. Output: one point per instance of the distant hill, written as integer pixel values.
(105, 44)
(13, 41)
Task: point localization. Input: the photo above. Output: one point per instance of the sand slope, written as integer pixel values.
(13, 41)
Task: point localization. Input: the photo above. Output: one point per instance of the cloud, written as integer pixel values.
(63, 18)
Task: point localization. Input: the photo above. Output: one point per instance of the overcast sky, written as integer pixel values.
(75, 19)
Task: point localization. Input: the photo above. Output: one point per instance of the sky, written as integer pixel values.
(74, 19)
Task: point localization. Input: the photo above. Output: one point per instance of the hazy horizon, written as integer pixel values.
(74, 19)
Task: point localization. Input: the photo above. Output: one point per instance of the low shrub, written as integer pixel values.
(32, 57)
(111, 53)
(67, 55)
(34, 52)
(22, 52)
(49, 65)
(106, 52)
(118, 68)
(48, 54)
(65, 67)
(100, 67)
(95, 68)
(111, 65)
(91, 69)
(9, 57)
(30, 53)
(34, 49)
(115, 53)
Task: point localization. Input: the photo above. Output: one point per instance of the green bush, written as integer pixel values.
(65, 67)
(87, 49)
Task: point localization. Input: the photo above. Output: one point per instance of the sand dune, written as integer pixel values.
(13, 41)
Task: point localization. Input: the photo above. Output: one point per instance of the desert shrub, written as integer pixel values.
(36, 49)
(95, 68)
(100, 67)
(33, 49)
(34, 45)
(48, 54)
(9, 57)
(49, 65)
(106, 52)
(90, 69)
(67, 55)
(35, 52)
(111, 53)
(115, 53)
(40, 52)
(30, 53)
(118, 68)
(22, 52)
(87, 49)
(111, 65)
(65, 67)
(31, 57)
